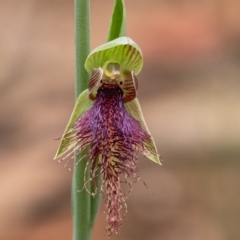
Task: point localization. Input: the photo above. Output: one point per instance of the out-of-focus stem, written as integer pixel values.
(81, 201)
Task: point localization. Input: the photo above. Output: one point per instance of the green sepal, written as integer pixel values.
(122, 50)
(118, 21)
(150, 149)
(83, 104)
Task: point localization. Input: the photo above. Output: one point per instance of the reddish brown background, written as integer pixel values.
(189, 91)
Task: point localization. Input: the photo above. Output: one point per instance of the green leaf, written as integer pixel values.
(122, 50)
(83, 103)
(118, 21)
(135, 111)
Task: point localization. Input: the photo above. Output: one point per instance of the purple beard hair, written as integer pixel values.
(115, 138)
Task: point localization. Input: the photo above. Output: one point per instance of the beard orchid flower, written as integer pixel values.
(107, 117)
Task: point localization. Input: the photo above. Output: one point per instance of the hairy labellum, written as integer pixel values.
(115, 138)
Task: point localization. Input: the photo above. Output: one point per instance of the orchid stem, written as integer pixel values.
(81, 201)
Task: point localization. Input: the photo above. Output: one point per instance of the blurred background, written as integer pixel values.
(190, 95)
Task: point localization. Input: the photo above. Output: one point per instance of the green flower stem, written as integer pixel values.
(81, 201)
(82, 42)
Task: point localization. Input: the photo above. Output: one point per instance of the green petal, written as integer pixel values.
(135, 111)
(122, 50)
(83, 104)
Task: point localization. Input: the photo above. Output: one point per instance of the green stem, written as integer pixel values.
(81, 201)
(82, 42)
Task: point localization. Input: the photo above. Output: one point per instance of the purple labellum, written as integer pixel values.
(115, 138)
